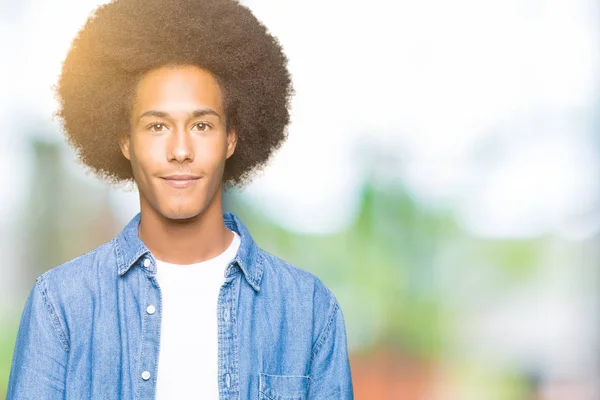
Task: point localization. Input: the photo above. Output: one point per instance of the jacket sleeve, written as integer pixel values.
(330, 376)
(41, 350)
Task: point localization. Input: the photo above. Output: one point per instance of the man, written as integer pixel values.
(184, 98)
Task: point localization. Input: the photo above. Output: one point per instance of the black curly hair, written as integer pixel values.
(124, 39)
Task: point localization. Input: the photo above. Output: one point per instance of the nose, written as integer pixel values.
(181, 148)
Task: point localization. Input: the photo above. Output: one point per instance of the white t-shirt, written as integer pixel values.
(188, 353)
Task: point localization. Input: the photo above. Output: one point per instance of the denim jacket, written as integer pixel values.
(87, 331)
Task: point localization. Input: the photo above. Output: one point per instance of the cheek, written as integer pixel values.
(147, 155)
(211, 153)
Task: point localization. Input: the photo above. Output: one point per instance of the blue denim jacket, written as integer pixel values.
(85, 332)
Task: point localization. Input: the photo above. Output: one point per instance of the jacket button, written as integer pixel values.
(146, 262)
(227, 380)
(151, 309)
(145, 375)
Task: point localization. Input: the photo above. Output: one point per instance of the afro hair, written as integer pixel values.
(124, 39)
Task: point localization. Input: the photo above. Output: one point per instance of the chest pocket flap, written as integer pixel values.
(283, 387)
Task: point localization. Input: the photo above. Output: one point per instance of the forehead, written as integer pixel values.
(178, 88)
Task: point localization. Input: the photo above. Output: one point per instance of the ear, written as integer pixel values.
(231, 142)
(124, 142)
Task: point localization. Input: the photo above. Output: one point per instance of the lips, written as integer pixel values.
(181, 177)
(180, 181)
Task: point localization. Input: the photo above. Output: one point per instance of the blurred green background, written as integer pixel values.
(441, 177)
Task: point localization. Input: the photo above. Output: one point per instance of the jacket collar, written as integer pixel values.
(131, 250)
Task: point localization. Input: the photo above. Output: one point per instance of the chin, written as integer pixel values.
(175, 213)
(184, 215)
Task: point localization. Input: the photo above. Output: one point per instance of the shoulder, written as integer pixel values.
(81, 274)
(277, 271)
(81, 265)
(294, 286)
(70, 289)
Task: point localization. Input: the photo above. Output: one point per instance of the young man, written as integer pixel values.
(184, 98)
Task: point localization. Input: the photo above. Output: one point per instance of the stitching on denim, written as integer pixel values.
(266, 395)
(221, 304)
(258, 260)
(261, 374)
(233, 325)
(141, 358)
(120, 261)
(325, 334)
(53, 315)
(139, 253)
(160, 313)
(286, 376)
(260, 269)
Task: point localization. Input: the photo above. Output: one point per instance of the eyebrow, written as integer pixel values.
(194, 114)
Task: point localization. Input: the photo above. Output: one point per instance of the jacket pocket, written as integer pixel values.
(283, 387)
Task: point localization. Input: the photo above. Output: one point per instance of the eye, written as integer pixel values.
(202, 126)
(156, 127)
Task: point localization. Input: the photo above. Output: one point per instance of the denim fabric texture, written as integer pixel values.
(90, 328)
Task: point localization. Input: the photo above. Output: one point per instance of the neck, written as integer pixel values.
(186, 241)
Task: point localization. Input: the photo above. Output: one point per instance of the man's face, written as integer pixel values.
(178, 141)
